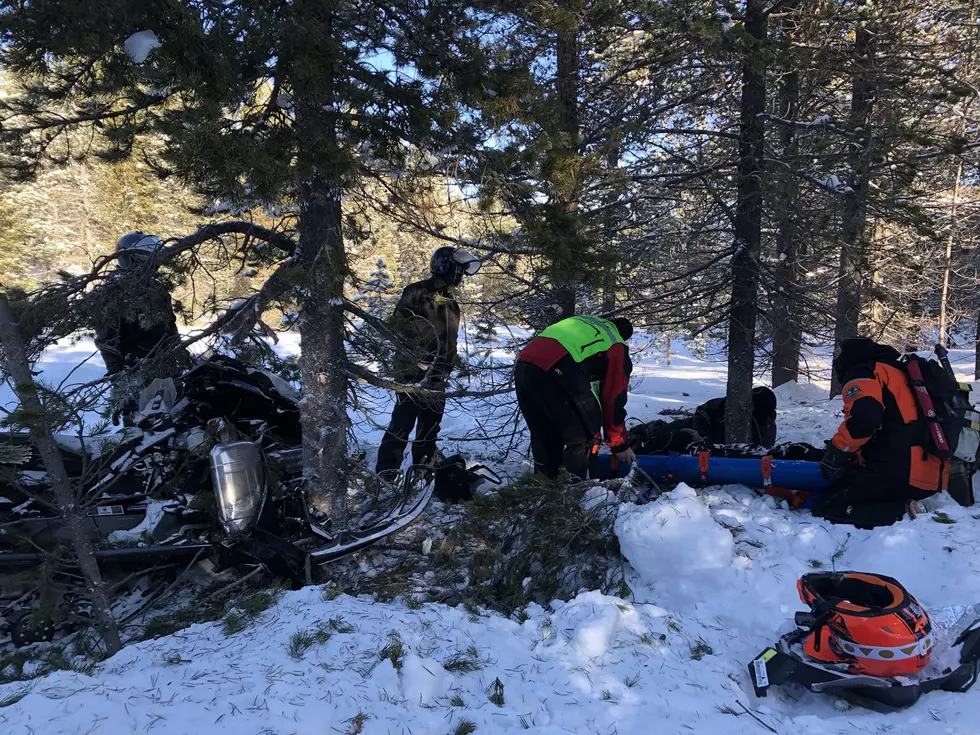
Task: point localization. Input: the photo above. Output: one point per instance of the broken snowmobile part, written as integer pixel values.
(111, 556)
(283, 559)
(25, 630)
(637, 487)
(101, 520)
(782, 664)
(237, 472)
(720, 471)
(291, 460)
(420, 478)
(155, 400)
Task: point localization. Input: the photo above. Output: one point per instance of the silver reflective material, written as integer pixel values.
(469, 262)
(237, 473)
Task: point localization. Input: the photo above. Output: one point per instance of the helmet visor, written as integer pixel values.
(469, 263)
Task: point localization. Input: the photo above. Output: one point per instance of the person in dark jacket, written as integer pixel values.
(878, 455)
(136, 317)
(555, 377)
(426, 320)
(134, 321)
(709, 418)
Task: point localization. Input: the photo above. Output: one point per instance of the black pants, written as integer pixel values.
(422, 414)
(864, 501)
(562, 415)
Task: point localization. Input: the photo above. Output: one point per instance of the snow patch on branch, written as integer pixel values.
(140, 44)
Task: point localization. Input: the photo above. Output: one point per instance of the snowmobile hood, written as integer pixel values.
(860, 350)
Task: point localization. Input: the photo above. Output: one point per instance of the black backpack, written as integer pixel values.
(455, 482)
(934, 392)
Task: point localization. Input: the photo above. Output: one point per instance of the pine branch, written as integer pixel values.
(54, 466)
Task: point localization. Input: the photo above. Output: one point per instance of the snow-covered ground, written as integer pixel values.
(713, 576)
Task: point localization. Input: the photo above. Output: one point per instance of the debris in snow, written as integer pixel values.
(834, 184)
(140, 44)
(154, 513)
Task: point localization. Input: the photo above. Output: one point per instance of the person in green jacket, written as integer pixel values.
(572, 382)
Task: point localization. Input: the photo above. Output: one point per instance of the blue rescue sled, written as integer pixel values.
(779, 477)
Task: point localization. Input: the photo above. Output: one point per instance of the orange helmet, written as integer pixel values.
(867, 621)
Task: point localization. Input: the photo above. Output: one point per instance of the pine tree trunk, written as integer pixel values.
(567, 83)
(947, 266)
(323, 357)
(74, 515)
(322, 262)
(787, 331)
(748, 229)
(854, 246)
(611, 226)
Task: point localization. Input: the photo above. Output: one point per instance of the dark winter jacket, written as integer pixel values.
(135, 318)
(427, 320)
(709, 418)
(881, 418)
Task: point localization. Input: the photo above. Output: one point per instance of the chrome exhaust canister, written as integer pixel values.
(238, 476)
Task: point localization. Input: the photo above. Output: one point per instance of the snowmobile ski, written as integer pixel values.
(418, 477)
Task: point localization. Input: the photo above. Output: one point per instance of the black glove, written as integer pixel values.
(835, 462)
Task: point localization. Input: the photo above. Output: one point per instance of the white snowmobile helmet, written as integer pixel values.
(136, 249)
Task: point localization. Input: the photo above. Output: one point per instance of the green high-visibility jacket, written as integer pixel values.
(584, 336)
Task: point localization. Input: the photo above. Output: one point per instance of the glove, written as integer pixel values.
(627, 455)
(835, 462)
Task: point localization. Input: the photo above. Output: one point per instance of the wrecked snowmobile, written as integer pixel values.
(868, 641)
(210, 467)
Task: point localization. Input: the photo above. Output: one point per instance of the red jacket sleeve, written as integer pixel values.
(615, 387)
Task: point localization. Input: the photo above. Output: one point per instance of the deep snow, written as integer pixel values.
(713, 575)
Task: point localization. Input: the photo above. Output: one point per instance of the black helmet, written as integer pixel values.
(136, 248)
(451, 264)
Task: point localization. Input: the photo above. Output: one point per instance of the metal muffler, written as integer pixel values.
(238, 476)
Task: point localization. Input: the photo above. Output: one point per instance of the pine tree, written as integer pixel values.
(377, 292)
(255, 103)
